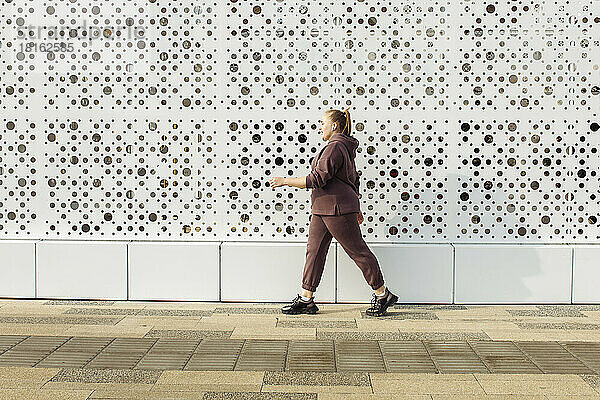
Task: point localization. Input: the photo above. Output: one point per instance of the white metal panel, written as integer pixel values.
(173, 271)
(415, 273)
(586, 274)
(82, 270)
(459, 140)
(513, 274)
(270, 272)
(17, 268)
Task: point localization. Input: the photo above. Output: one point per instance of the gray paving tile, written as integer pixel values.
(215, 354)
(168, 354)
(443, 336)
(31, 350)
(504, 357)
(557, 312)
(311, 355)
(175, 313)
(258, 396)
(556, 325)
(82, 342)
(103, 311)
(588, 353)
(315, 324)
(21, 359)
(317, 378)
(171, 345)
(262, 355)
(327, 335)
(8, 341)
(114, 361)
(40, 343)
(129, 345)
(406, 357)
(106, 376)
(592, 380)
(552, 358)
(578, 307)
(211, 363)
(79, 302)
(428, 307)
(440, 352)
(163, 361)
(75, 353)
(59, 320)
(76, 360)
(122, 353)
(455, 357)
(188, 334)
(220, 346)
(358, 356)
(247, 310)
(402, 315)
(11, 338)
(139, 311)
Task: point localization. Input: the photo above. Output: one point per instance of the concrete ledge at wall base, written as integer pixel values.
(415, 273)
(17, 268)
(270, 272)
(183, 271)
(81, 270)
(586, 274)
(498, 274)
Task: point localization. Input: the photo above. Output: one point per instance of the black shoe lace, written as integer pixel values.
(374, 302)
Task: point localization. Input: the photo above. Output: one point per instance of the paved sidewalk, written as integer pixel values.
(64, 349)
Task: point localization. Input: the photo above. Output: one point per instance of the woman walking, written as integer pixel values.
(335, 212)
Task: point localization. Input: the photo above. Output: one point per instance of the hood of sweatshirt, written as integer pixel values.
(350, 142)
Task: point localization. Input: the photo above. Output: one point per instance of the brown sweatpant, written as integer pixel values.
(346, 230)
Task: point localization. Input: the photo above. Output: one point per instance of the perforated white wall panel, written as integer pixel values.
(147, 120)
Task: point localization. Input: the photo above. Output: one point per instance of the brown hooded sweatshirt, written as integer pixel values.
(333, 179)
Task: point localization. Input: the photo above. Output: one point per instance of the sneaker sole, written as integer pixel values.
(309, 311)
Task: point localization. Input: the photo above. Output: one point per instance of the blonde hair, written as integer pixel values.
(342, 118)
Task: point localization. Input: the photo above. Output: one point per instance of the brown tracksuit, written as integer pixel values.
(335, 206)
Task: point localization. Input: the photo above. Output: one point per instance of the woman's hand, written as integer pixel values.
(277, 181)
(360, 218)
